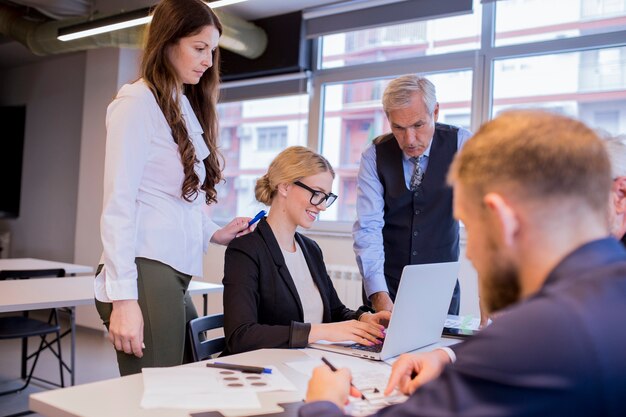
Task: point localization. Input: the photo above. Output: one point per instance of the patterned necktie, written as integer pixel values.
(418, 173)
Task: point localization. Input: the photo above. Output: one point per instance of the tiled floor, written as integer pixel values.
(95, 360)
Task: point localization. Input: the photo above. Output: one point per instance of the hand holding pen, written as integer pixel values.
(353, 390)
(331, 384)
(256, 218)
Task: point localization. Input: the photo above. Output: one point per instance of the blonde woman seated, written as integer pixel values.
(277, 293)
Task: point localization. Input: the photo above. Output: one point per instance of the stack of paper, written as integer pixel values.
(202, 388)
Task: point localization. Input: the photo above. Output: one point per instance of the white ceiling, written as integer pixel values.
(13, 54)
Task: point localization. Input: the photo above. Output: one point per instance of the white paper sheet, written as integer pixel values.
(370, 377)
(199, 387)
(366, 374)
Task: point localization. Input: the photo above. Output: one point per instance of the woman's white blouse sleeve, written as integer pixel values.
(130, 129)
(209, 227)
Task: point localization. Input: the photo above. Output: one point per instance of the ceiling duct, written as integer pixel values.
(239, 36)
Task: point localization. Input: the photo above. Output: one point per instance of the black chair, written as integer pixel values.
(201, 347)
(23, 327)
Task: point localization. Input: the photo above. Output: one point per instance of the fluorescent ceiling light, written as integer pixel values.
(222, 3)
(119, 21)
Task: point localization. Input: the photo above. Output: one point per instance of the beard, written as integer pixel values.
(499, 283)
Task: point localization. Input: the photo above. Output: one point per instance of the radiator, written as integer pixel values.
(347, 282)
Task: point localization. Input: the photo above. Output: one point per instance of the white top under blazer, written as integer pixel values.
(143, 212)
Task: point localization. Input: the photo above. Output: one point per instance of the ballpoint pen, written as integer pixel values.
(256, 218)
(332, 368)
(242, 368)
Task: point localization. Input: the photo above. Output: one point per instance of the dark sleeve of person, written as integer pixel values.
(338, 311)
(533, 362)
(242, 301)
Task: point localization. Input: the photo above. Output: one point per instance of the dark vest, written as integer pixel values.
(419, 226)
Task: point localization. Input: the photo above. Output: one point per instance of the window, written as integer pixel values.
(568, 56)
(539, 20)
(271, 138)
(590, 85)
(406, 40)
(252, 133)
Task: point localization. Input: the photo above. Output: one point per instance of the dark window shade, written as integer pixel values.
(263, 88)
(388, 14)
(287, 51)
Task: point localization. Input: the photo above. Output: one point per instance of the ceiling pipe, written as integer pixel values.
(239, 36)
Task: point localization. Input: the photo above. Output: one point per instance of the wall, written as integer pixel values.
(52, 91)
(107, 69)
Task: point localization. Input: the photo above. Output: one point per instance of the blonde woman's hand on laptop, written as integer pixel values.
(411, 371)
(367, 334)
(382, 318)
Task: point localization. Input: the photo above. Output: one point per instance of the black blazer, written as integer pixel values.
(262, 307)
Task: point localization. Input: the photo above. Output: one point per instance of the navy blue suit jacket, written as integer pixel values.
(561, 352)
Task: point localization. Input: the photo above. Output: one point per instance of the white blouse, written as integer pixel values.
(143, 212)
(309, 294)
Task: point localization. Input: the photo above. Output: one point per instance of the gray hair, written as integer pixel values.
(616, 148)
(399, 92)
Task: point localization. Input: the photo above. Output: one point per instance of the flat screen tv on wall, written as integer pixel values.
(12, 123)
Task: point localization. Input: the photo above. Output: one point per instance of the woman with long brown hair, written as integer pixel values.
(161, 167)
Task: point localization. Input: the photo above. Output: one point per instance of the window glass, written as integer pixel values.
(589, 85)
(406, 40)
(522, 21)
(252, 133)
(353, 117)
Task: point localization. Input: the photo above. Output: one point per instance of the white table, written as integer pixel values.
(122, 396)
(27, 264)
(68, 292)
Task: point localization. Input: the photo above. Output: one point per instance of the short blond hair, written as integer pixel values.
(292, 164)
(533, 156)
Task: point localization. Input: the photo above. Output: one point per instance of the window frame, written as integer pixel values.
(480, 62)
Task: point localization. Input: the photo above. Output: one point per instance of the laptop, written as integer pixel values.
(419, 313)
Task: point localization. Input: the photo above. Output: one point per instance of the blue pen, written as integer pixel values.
(256, 218)
(242, 368)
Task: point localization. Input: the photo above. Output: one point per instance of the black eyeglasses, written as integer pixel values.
(318, 197)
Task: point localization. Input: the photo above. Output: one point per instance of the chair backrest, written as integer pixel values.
(201, 347)
(32, 273)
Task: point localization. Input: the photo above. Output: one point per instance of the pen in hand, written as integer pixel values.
(332, 368)
(256, 218)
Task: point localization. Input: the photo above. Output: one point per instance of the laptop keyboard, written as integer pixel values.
(375, 348)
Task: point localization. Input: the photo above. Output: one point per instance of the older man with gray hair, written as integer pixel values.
(404, 207)
(616, 148)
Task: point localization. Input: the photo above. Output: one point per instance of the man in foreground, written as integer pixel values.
(532, 189)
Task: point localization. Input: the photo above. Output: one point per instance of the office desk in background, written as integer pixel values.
(29, 264)
(67, 292)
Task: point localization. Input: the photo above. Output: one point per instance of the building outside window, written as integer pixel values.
(272, 138)
(568, 56)
(255, 132)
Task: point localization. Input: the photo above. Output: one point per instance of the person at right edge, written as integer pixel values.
(404, 206)
(616, 148)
